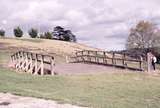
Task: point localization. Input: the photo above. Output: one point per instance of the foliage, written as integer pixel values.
(33, 33)
(18, 32)
(143, 36)
(2, 33)
(62, 34)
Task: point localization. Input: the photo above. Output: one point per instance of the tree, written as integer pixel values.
(33, 33)
(18, 32)
(68, 36)
(2, 33)
(58, 32)
(48, 35)
(143, 36)
(62, 34)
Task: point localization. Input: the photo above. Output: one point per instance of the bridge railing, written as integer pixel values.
(105, 58)
(33, 63)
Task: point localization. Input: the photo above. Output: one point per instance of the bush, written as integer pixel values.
(33, 33)
(2, 33)
(18, 32)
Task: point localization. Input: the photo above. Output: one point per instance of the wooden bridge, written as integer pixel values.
(33, 63)
(109, 59)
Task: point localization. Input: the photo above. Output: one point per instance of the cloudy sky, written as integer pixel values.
(99, 23)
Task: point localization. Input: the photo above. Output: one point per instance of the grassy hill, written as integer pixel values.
(120, 90)
(43, 45)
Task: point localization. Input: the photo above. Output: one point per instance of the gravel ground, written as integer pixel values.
(11, 101)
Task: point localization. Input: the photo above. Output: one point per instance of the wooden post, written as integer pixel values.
(23, 61)
(123, 60)
(95, 56)
(36, 64)
(42, 65)
(82, 56)
(140, 63)
(77, 59)
(89, 57)
(104, 57)
(113, 56)
(18, 61)
(16, 55)
(52, 66)
(27, 62)
(149, 62)
(67, 59)
(30, 70)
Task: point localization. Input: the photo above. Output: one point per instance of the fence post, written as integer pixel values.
(77, 59)
(36, 64)
(104, 57)
(52, 66)
(123, 60)
(19, 60)
(42, 65)
(88, 56)
(67, 59)
(82, 56)
(140, 63)
(30, 70)
(113, 56)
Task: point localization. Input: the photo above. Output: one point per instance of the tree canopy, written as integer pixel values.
(18, 32)
(61, 34)
(33, 33)
(143, 36)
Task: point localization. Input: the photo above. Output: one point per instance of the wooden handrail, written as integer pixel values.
(86, 55)
(32, 61)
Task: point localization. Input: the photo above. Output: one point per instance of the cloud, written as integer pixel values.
(103, 24)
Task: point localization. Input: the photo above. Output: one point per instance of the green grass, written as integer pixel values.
(123, 90)
(130, 90)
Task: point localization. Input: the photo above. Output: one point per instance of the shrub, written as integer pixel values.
(18, 32)
(33, 33)
(2, 33)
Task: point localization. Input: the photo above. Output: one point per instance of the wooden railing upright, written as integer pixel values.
(33, 63)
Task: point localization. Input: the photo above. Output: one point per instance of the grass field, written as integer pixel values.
(130, 90)
(121, 90)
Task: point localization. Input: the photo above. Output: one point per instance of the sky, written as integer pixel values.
(103, 24)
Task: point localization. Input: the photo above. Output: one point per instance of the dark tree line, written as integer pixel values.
(58, 33)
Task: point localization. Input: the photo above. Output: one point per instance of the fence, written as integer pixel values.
(33, 63)
(105, 58)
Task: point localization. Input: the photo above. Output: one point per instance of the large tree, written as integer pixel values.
(143, 36)
(61, 34)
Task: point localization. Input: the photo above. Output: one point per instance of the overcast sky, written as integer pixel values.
(99, 23)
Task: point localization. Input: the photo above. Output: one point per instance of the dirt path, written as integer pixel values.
(82, 68)
(12, 101)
